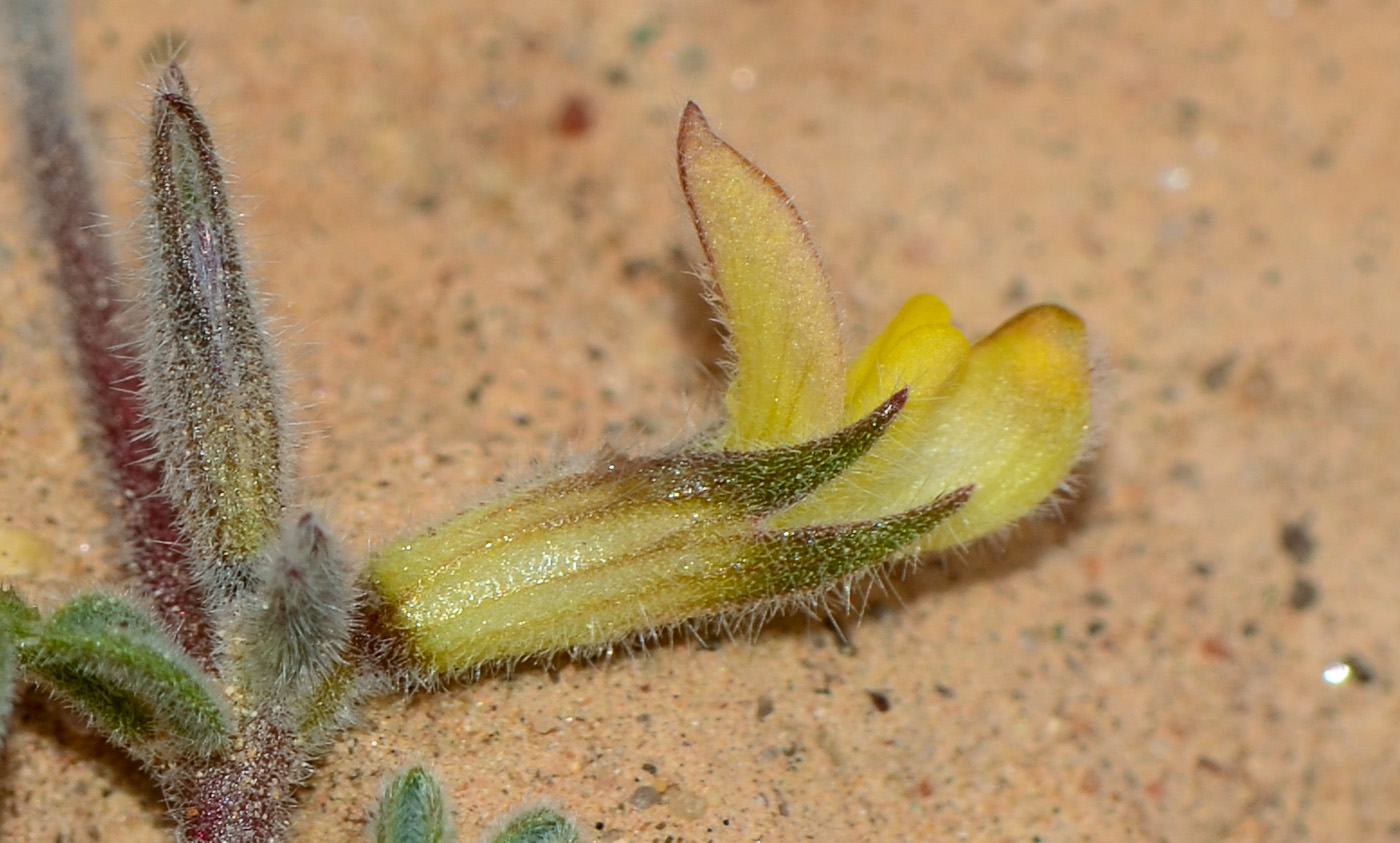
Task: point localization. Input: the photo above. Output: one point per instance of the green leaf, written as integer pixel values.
(18, 621)
(412, 810)
(536, 825)
(115, 664)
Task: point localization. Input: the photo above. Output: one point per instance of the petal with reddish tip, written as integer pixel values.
(772, 294)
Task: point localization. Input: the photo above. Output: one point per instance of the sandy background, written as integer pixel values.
(468, 220)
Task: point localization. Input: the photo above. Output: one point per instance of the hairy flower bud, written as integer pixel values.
(210, 381)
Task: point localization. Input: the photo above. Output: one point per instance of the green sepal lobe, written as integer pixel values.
(758, 482)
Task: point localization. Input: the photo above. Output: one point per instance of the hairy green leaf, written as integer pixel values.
(115, 664)
(412, 810)
(535, 825)
(18, 621)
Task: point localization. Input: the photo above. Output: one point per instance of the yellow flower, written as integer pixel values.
(818, 474)
(1008, 416)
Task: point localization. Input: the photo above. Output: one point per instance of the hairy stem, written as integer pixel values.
(69, 217)
(247, 796)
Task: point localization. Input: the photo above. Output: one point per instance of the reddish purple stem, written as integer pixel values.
(86, 275)
(245, 797)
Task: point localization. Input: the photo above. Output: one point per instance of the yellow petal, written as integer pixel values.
(918, 349)
(772, 294)
(1017, 423)
(1012, 423)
